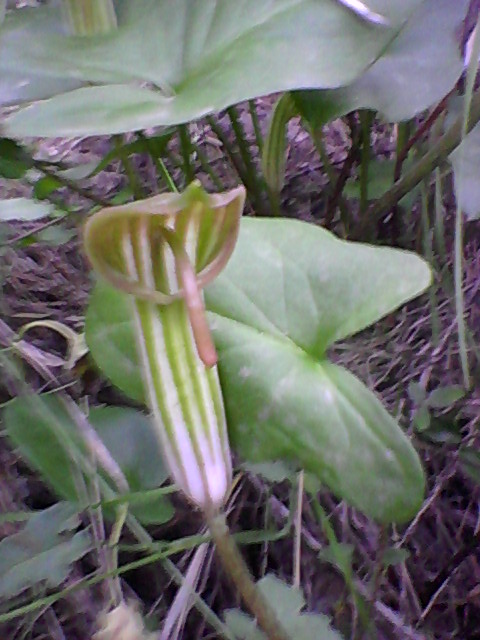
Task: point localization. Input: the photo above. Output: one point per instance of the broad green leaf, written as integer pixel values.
(129, 437)
(45, 435)
(79, 171)
(299, 283)
(110, 337)
(43, 551)
(282, 404)
(416, 70)
(417, 393)
(443, 432)
(45, 186)
(289, 291)
(287, 602)
(56, 236)
(243, 626)
(24, 209)
(192, 58)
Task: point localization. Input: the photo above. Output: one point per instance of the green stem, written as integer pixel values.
(227, 147)
(132, 177)
(90, 17)
(432, 159)
(428, 253)
(202, 607)
(240, 575)
(439, 215)
(186, 151)
(338, 552)
(403, 137)
(458, 266)
(69, 184)
(256, 125)
(246, 155)
(205, 164)
(366, 119)
(317, 137)
(159, 164)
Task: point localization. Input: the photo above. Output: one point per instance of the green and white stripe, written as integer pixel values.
(134, 252)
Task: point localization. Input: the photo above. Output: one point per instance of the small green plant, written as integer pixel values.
(440, 398)
(287, 293)
(167, 305)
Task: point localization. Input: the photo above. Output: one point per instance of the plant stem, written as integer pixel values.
(317, 137)
(256, 125)
(405, 145)
(345, 172)
(69, 184)
(159, 164)
(90, 17)
(186, 149)
(233, 156)
(366, 119)
(239, 573)
(246, 155)
(132, 177)
(142, 535)
(428, 253)
(439, 215)
(439, 152)
(458, 265)
(205, 164)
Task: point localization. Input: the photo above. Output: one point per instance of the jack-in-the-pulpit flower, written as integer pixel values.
(162, 251)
